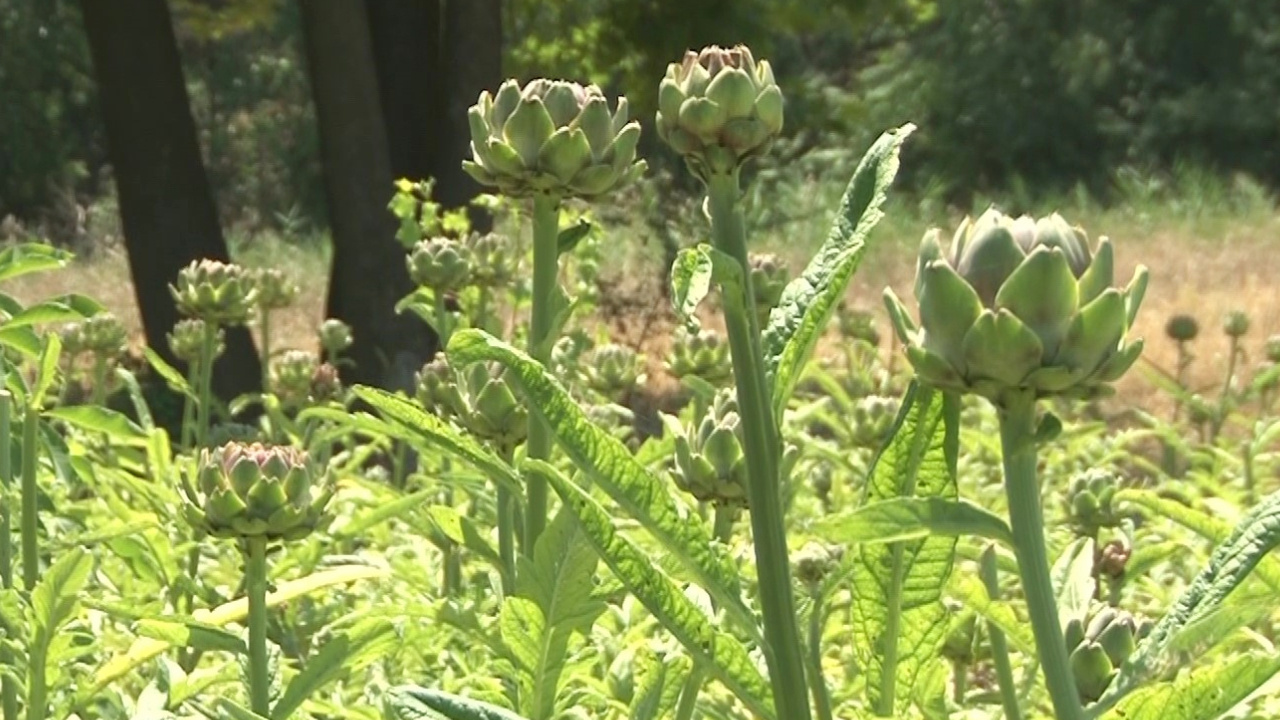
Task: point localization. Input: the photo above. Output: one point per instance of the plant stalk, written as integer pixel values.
(264, 322)
(255, 575)
(204, 411)
(784, 651)
(452, 561)
(817, 682)
(8, 689)
(999, 644)
(546, 267)
(29, 519)
(1026, 518)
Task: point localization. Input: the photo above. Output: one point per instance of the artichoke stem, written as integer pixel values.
(265, 331)
(1026, 518)
(8, 688)
(546, 267)
(818, 684)
(203, 412)
(784, 650)
(689, 693)
(255, 577)
(999, 644)
(30, 524)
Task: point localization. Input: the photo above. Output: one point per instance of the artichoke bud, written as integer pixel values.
(1092, 669)
(291, 376)
(1118, 637)
(326, 384)
(814, 562)
(493, 260)
(440, 263)
(103, 335)
(710, 464)
(1182, 328)
(1020, 305)
(335, 337)
(1271, 349)
(216, 292)
(243, 490)
(614, 371)
(1073, 633)
(72, 337)
(718, 108)
(961, 638)
(275, 289)
(703, 354)
(769, 277)
(873, 417)
(1236, 324)
(1091, 495)
(436, 388)
(496, 414)
(552, 136)
(858, 325)
(1113, 559)
(187, 340)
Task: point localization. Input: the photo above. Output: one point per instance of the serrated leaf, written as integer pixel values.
(605, 459)
(913, 518)
(722, 653)
(1229, 565)
(690, 284)
(409, 702)
(24, 258)
(54, 598)
(47, 369)
(898, 615)
(1202, 694)
(23, 339)
(344, 653)
(808, 301)
(98, 419)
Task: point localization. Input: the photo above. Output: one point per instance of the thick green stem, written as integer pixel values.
(29, 520)
(204, 410)
(8, 689)
(689, 693)
(1026, 518)
(506, 511)
(255, 576)
(999, 645)
(265, 333)
(784, 650)
(98, 395)
(817, 681)
(546, 267)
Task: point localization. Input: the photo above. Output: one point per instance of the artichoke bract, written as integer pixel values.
(216, 292)
(252, 490)
(551, 136)
(719, 108)
(1019, 305)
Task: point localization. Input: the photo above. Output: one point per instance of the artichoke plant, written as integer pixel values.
(703, 354)
(335, 337)
(275, 289)
(252, 490)
(216, 292)
(1099, 649)
(718, 108)
(769, 277)
(440, 263)
(291, 376)
(553, 137)
(614, 371)
(494, 262)
(187, 339)
(478, 398)
(1019, 305)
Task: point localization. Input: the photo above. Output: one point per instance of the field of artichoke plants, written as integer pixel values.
(942, 524)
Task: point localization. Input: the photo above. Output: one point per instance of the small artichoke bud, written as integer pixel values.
(291, 376)
(216, 292)
(814, 562)
(769, 277)
(494, 413)
(1182, 328)
(1117, 635)
(1113, 558)
(1016, 306)
(1073, 633)
(326, 384)
(1236, 324)
(1091, 496)
(104, 336)
(437, 388)
(961, 637)
(187, 340)
(275, 289)
(73, 340)
(1271, 349)
(1092, 669)
(493, 260)
(252, 490)
(335, 337)
(554, 137)
(566, 357)
(873, 417)
(440, 263)
(719, 108)
(710, 464)
(614, 371)
(704, 355)
(858, 325)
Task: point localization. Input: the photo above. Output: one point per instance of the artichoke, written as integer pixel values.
(872, 420)
(704, 355)
(186, 340)
(1236, 324)
(1019, 306)
(216, 292)
(291, 376)
(553, 137)
(814, 562)
(1091, 497)
(1182, 328)
(718, 108)
(494, 262)
(769, 277)
(275, 289)
(253, 490)
(614, 371)
(710, 464)
(440, 263)
(1099, 648)
(335, 337)
(478, 398)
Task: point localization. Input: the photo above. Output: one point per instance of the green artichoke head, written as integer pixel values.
(710, 463)
(187, 340)
(291, 376)
(1236, 324)
(216, 292)
(719, 108)
(494, 260)
(703, 354)
(335, 337)
(1019, 306)
(246, 490)
(1182, 328)
(275, 289)
(478, 398)
(104, 336)
(440, 263)
(553, 137)
(614, 371)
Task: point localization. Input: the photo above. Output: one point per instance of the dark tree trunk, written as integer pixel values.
(407, 59)
(166, 207)
(369, 275)
(472, 52)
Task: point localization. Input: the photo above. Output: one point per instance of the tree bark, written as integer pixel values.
(407, 59)
(472, 52)
(166, 206)
(368, 276)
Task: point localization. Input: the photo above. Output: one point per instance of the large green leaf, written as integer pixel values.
(1202, 694)
(53, 602)
(1229, 565)
(113, 424)
(344, 654)
(719, 651)
(553, 601)
(24, 258)
(808, 301)
(409, 702)
(641, 493)
(898, 615)
(690, 283)
(912, 518)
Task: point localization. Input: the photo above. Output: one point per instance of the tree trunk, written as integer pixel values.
(407, 59)
(369, 275)
(472, 51)
(166, 207)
